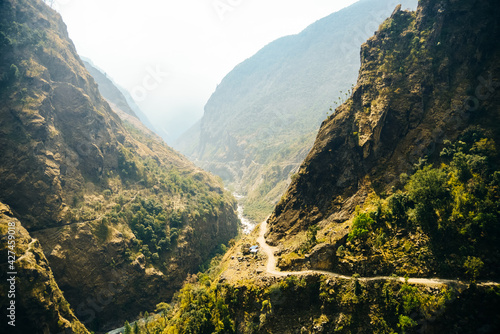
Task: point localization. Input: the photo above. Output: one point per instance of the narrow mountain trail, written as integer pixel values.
(271, 269)
(83, 222)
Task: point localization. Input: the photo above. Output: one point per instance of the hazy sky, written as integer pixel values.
(172, 54)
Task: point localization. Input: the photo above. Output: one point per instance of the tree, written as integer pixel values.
(473, 266)
(128, 328)
(136, 328)
(13, 72)
(427, 188)
(360, 227)
(398, 205)
(163, 308)
(427, 185)
(405, 322)
(312, 233)
(146, 321)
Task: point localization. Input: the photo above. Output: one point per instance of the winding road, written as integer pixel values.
(271, 269)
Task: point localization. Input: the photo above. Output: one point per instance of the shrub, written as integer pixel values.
(473, 266)
(106, 193)
(428, 188)
(360, 227)
(14, 73)
(406, 323)
(398, 205)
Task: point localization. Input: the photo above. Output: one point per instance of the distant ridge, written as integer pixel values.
(116, 94)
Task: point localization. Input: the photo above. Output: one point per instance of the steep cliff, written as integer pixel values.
(109, 203)
(261, 121)
(425, 78)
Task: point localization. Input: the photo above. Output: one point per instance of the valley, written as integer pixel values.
(114, 209)
(261, 121)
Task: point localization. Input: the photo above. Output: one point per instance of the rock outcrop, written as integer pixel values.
(425, 77)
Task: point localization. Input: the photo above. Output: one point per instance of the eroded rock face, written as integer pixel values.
(424, 78)
(105, 287)
(322, 257)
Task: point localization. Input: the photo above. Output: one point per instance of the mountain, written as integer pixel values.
(122, 219)
(118, 97)
(391, 224)
(427, 89)
(261, 121)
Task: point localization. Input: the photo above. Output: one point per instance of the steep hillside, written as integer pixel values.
(244, 294)
(39, 305)
(321, 304)
(261, 121)
(117, 97)
(107, 89)
(428, 86)
(121, 217)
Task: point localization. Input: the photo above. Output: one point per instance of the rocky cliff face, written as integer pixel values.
(105, 199)
(425, 77)
(56, 129)
(428, 80)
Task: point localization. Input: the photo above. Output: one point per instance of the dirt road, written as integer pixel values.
(271, 269)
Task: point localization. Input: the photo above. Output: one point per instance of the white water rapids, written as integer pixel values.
(246, 224)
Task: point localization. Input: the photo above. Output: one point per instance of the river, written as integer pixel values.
(246, 224)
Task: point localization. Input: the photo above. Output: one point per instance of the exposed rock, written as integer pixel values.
(322, 256)
(260, 123)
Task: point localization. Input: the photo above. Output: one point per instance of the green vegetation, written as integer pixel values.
(157, 215)
(473, 266)
(445, 218)
(360, 226)
(335, 305)
(311, 241)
